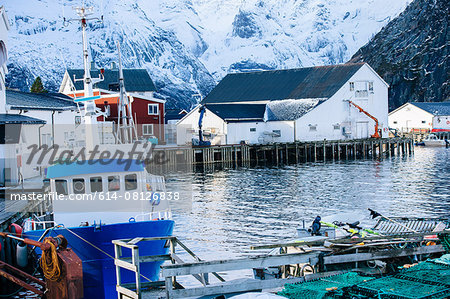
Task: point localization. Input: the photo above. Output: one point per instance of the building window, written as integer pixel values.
(96, 184)
(252, 129)
(147, 129)
(153, 109)
(47, 139)
(313, 128)
(130, 182)
(361, 90)
(424, 121)
(370, 86)
(395, 122)
(277, 133)
(336, 127)
(78, 186)
(352, 86)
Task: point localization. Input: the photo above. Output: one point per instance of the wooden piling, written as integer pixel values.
(306, 153)
(332, 150)
(315, 152)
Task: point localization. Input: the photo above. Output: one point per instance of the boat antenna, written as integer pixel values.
(126, 127)
(90, 109)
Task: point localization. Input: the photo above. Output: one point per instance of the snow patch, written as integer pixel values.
(290, 109)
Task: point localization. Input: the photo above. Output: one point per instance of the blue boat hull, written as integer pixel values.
(99, 274)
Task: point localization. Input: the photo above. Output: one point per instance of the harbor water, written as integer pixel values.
(233, 209)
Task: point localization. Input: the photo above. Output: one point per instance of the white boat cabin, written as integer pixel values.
(107, 191)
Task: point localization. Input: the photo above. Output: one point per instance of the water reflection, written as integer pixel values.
(235, 208)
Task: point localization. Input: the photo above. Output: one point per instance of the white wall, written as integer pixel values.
(64, 124)
(441, 122)
(187, 128)
(240, 131)
(408, 117)
(335, 111)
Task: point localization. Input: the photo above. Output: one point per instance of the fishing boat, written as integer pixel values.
(433, 140)
(100, 200)
(104, 220)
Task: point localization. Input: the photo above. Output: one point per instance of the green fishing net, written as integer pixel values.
(323, 287)
(430, 279)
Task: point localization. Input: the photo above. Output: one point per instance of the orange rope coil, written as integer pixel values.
(49, 263)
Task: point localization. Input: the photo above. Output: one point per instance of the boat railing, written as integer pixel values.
(159, 215)
(36, 224)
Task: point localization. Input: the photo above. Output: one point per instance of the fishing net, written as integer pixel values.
(445, 241)
(443, 260)
(328, 287)
(397, 287)
(435, 271)
(430, 279)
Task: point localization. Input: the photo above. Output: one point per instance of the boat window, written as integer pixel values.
(130, 182)
(61, 187)
(113, 183)
(96, 184)
(78, 186)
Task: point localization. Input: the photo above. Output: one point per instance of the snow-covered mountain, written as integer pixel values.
(188, 45)
(412, 54)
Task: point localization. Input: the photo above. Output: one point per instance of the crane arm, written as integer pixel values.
(376, 134)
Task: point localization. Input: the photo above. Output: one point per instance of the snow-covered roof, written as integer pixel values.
(20, 100)
(304, 83)
(290, 109)
(19, 119)
(134, 79)
(436, 108)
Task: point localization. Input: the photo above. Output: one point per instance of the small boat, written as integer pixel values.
(105, 220)
(433, 140)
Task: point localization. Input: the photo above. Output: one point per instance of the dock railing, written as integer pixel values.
(200, 269)
(263, 261)
(133, 290)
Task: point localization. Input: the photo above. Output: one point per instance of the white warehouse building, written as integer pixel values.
(308, 104)
(410, 117)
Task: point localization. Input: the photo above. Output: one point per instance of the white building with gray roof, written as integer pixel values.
(419, 116)
(306, 104)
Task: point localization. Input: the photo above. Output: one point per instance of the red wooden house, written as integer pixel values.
(148, 111)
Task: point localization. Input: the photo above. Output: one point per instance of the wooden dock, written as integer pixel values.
(204, 271)
(12, 211)
(286, 153)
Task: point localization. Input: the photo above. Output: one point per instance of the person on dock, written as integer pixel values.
(316, 225)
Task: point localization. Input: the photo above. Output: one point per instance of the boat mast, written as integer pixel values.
(126, 128)
(90, 109)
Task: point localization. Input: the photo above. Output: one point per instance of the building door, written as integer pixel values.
(362, 129)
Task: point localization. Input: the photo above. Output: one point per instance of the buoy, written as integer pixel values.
(22, 255)
(15, 229)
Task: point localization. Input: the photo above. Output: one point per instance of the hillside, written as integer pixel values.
(412, 53)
